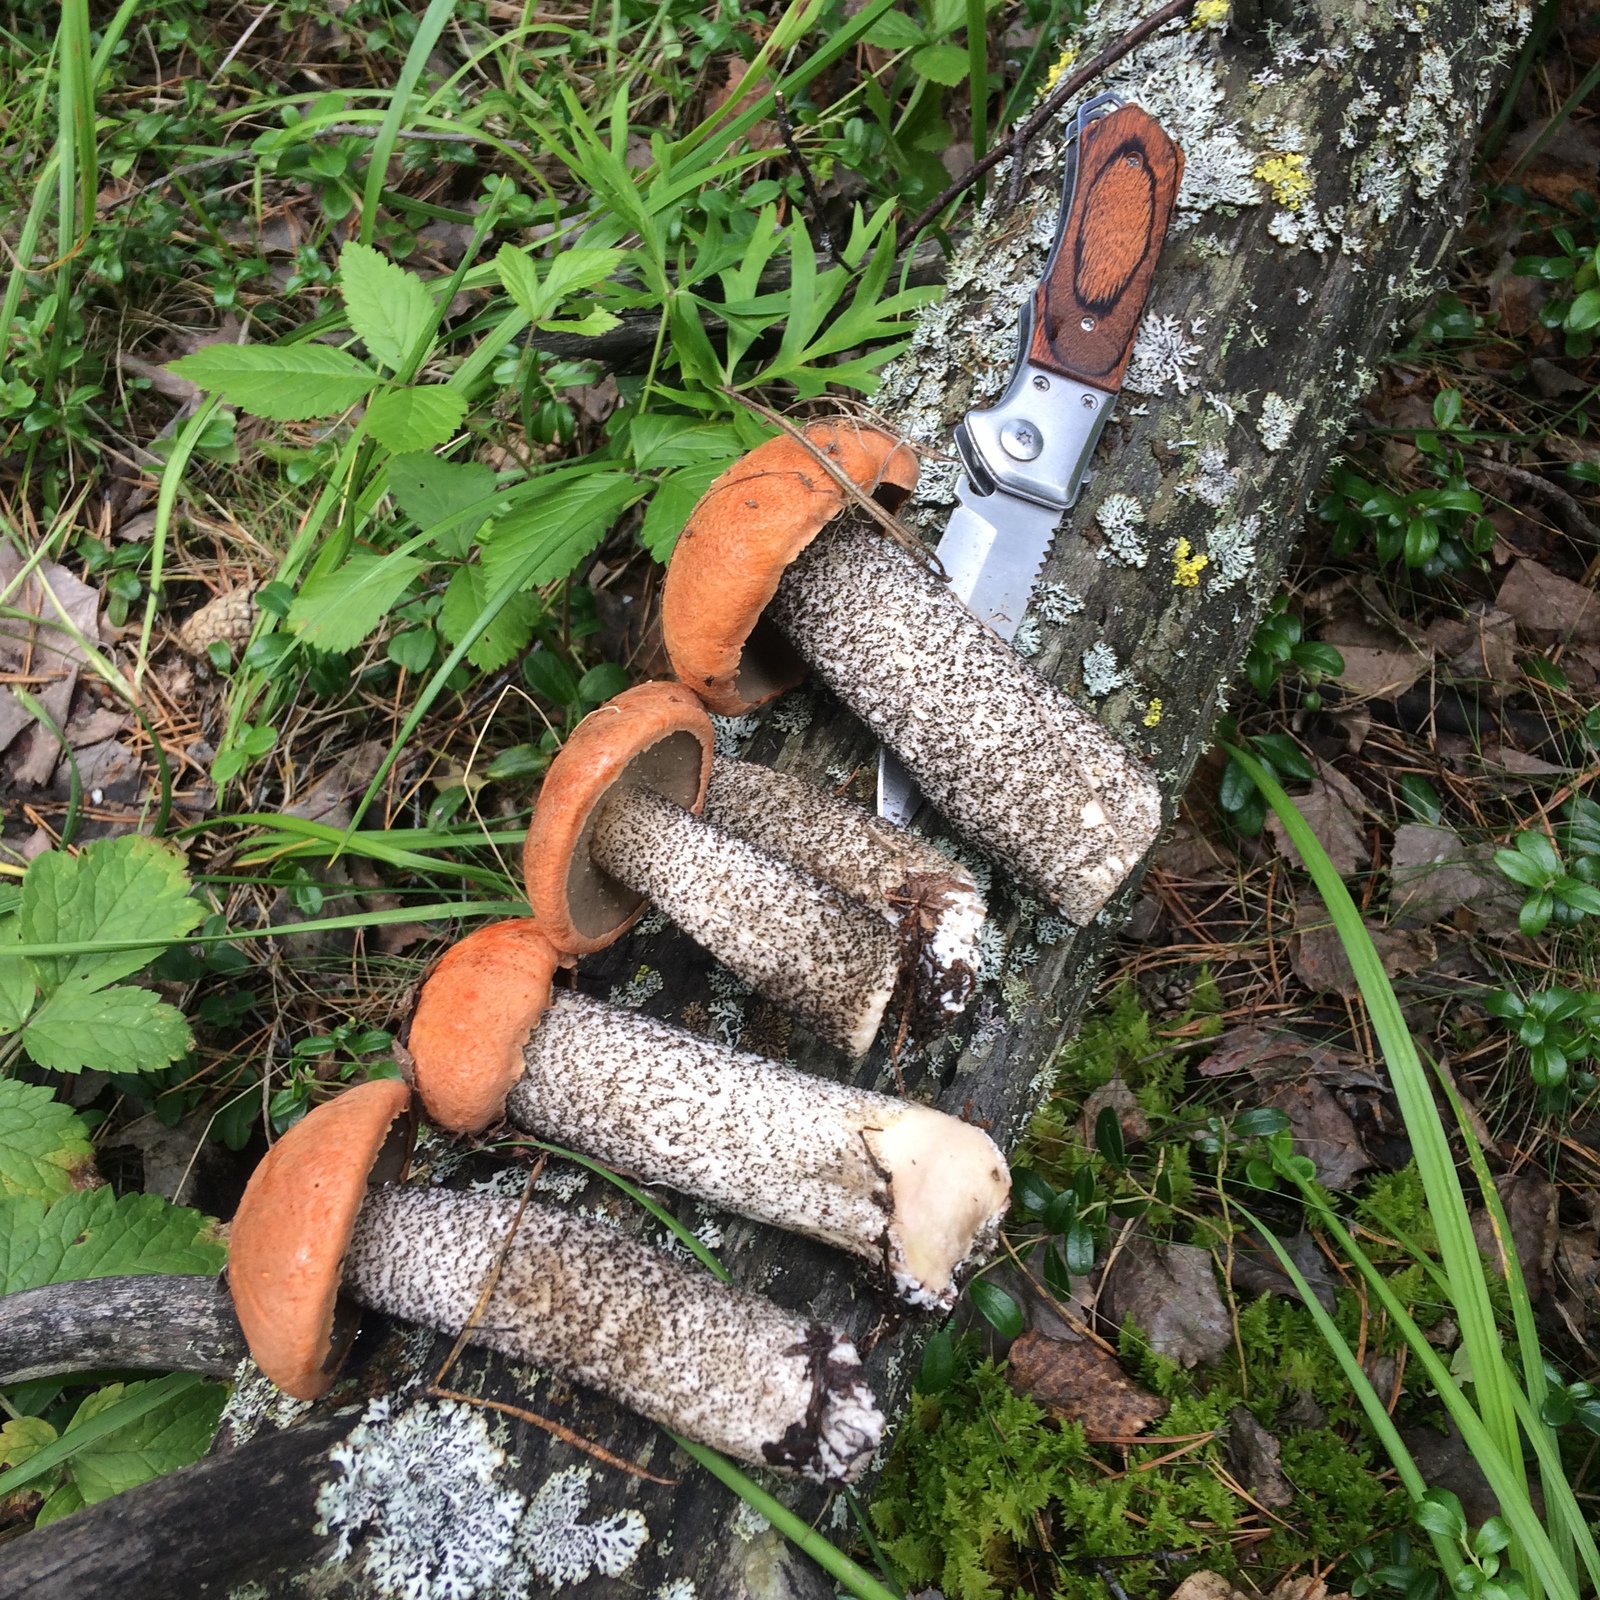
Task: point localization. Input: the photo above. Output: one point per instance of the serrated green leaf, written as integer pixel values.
(62, 1503)
(114, 890)
(42, 1142)
(339, 609)
(388, 307)
(173, 1435)
(405, 420)
(284, 383)
(677, 494)
(944, 63)
(559, 529)
(23, 1437)
(17, 988)
(91, 1233)
(538, 294)
(677, 441)
(506, 636)
(123, 1029)
(434, 492)
(894, 30)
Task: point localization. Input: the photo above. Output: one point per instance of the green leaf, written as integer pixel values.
(938, 1367)
(122, 1029)
(894, 30)
(43, 1144)
(1258, 1122)
(1108, 1137)
(602, 683)
(678, 441)
(1421, 798)
(174, 1434)
(405, 420)
(1285, 755)
(388, 307)
(536, 296)
(505, 637)
(1079, 1252)
(434, 493)
(337, 610)
(114, 890)
(1585, 311)
(559, 528)
(92, 1233)
(17, 988)
(1447, 408)
(997, 1308)
(285, 383)
(22, 1438)
(943, 63)
(677, 494)
(1439, 1511)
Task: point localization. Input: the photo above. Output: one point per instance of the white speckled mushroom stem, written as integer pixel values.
(1031, 778)
(721, 1365)
(930, 898)
(914, 1191)
(829, 962)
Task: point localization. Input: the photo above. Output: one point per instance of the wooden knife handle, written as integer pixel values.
(1087, 307)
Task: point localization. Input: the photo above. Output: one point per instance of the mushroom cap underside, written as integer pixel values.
(475, 1012)
(749, 525)
(655, 734)
(290, 1234)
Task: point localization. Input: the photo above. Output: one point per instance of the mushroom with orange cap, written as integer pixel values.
(914, 1191)
(615, 827)
(770, 574)
(322, 1226)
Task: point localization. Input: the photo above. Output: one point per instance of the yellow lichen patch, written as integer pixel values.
(1210, 14)
(1187, 567)
(1152, 714)
(1068, 56)
(1286, 176)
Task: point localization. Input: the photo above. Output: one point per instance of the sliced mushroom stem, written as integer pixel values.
(720, 1365)
(914, 1191)
(1012, 762)
(930, 898)
(828, 961)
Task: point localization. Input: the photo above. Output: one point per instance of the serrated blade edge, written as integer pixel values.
(994, 547)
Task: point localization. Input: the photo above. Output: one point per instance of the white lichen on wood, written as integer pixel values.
(1275, 426)
(1121, 520)
(1162, 354)
(554, 1541)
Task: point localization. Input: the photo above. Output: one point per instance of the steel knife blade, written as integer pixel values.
(1024, 459)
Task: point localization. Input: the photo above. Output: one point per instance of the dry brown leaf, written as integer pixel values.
(1255, 1457)
(1079, 1382)
(1271, 1057)
(1480, 646)
(1205, 1585)
(1192, 857)
(1530, 1206)
(1130, 1114)
(1255, 1269)
(1322, 1130)
(1170, 1291)
(1433, 874)
(1332, 807)
(1319, 961)
(1377, 674)
(1549, 608)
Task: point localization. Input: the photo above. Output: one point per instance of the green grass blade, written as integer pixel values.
(97, 1427)
(1447, 1204)
(833, 1561)
(978, 81)
(696, 1247)
(1559, 1500)
(427, 36)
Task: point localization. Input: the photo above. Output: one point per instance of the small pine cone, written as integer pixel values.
(229, 618)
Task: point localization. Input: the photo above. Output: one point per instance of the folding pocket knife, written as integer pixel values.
(1023, 459)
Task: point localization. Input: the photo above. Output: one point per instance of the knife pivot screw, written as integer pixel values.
(1021, 440)
(1089, 402)
(1088, 324)
(1040, 381)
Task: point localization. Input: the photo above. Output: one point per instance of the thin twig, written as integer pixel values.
(556, 1429)
(886, 520)
(1576, 518)
(1020, 136)
(464, 1337)
(824, 237)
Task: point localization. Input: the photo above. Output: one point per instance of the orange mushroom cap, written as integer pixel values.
(292, 1229)
(749, 525)
(474, 1015)
(655, 734)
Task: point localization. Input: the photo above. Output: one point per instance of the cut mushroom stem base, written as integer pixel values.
(931, 900)
(717, 1364)
(1030, 777)
(829, 962)
(911, 1189)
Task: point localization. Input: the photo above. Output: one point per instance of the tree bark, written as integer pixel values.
(1275, 298)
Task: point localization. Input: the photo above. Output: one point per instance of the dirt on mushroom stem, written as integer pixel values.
(828, 961)
(906, 1187)
(1031, 778)
(716, 1364)
(931, 899)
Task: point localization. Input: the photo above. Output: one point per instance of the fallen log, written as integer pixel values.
(1328, 149)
